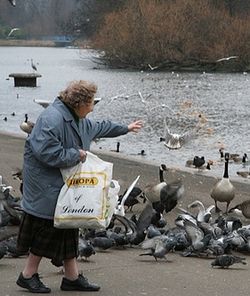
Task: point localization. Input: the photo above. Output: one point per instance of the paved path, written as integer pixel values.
(123, 272)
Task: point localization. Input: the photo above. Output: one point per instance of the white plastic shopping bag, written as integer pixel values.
(84, 200)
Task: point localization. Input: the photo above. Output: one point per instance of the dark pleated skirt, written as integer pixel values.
(41, 238)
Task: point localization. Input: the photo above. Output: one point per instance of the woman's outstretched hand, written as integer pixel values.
(135, 126)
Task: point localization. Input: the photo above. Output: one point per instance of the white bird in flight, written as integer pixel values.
(12, 2)
(11, 31)
(226, 59)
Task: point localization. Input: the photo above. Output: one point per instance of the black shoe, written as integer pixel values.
(80, 284)
(33, 284)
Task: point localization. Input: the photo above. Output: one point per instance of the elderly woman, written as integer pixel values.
(60, 138)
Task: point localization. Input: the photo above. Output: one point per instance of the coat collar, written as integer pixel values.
(68, 117)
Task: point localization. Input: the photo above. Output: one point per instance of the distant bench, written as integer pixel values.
(25, 79)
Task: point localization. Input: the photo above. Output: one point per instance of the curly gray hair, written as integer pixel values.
(78, 92)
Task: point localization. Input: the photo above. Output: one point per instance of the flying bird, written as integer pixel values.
(11, 31)
(227, 59)
(12, 2)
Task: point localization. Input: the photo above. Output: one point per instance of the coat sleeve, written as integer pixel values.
(47, 145)
(106, 129)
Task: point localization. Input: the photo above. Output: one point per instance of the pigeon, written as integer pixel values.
(103, 243)
(85, 248)
(3, 250)
(224, 261)
(159, 246)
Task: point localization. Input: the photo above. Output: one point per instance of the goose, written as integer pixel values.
(223, 191)
(244, 207)
(164, 196)
(245, 160)
(152, 191)
(27, 125)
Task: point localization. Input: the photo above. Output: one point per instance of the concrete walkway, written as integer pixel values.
(122, 272)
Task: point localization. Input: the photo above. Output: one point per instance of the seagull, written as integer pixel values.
(204, 214)
(173, 140)
(45, 103)
(42, 103)
(12, 2)
(152, 68)
(227, 59)
(119, 209)
(11, 31)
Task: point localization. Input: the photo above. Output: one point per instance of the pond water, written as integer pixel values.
(218, 103)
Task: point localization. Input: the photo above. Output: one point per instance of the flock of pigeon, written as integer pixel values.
(198, 230)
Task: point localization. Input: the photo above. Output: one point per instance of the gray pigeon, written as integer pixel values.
(85, 248)
(224, 261)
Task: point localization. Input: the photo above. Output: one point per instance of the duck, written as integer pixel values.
(233, 157)
(27, 125)
(243, 174)
(244, 207)
(223, 190)
(198, 162)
